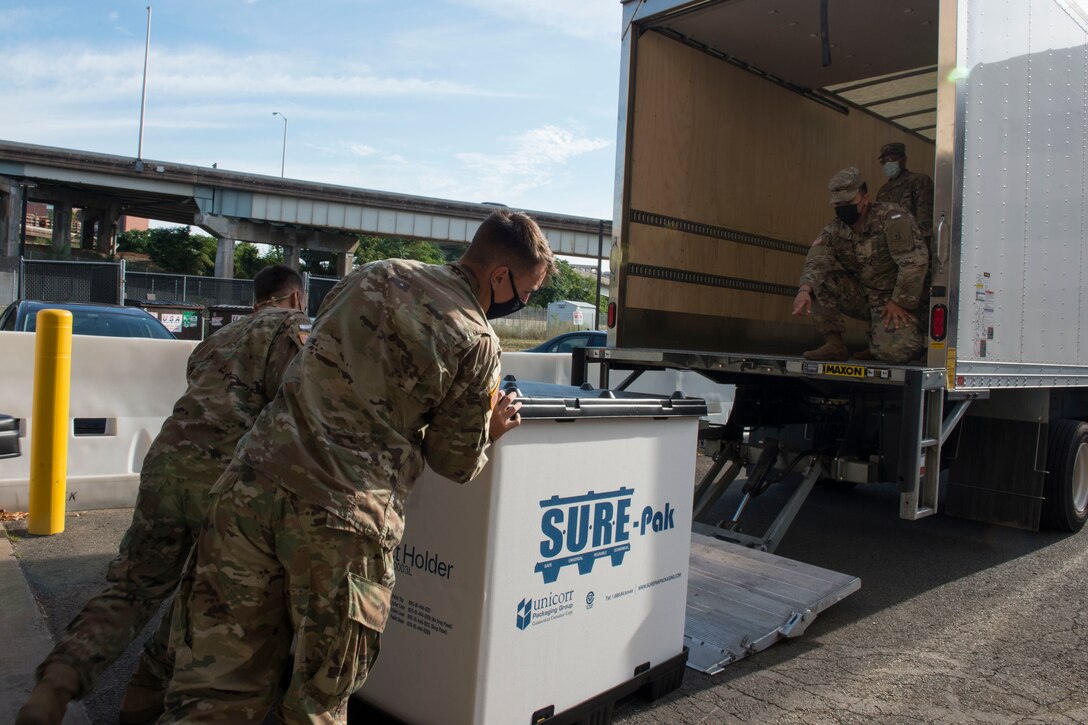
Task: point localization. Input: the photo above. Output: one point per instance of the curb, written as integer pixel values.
(26, 639)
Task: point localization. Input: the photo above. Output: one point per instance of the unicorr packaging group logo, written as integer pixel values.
(525, 613)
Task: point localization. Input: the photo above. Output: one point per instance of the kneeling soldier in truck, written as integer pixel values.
(870, 263)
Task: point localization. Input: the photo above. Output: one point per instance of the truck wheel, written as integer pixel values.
(1066, 489)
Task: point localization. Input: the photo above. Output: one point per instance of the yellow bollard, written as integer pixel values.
(49, 426)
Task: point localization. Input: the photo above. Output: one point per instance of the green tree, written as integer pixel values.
(180, 251)
(372, 248)
(565, 284)
(320, 264)
(274, 255)
(247, 260)
(134, 240)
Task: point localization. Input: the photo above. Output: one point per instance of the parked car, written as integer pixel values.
(570, 340)
(87, 319)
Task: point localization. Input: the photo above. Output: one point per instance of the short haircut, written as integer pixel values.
(275, 280)
(864, 188)
(511, 238)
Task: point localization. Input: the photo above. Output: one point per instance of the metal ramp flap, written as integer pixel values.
(741, 600)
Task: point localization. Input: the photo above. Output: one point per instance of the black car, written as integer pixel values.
(570, 340)
(87, 319)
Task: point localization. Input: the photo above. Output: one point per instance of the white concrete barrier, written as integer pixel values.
(122, 390)
(125, 388)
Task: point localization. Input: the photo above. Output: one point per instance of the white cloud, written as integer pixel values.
(361, 149)
(590, 19)
(531, 163)
(84, 74)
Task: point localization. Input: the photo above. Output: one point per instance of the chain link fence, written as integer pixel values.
(528, 323)
(207, 291)
(110, 282)
(55, 281)
(316, 289)
(9, 280)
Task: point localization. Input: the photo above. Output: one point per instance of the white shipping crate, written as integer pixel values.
(555, 576)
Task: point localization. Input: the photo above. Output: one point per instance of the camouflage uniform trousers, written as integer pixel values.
(269, 569)
(839, 293)
(150, 561)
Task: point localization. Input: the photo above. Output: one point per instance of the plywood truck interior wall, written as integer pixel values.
(720, 148)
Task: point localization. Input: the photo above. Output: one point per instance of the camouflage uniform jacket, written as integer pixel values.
(231, 377)
(913, 192)
(399, 369)
(889, 257)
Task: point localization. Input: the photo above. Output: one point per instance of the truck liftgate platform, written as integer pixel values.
(741, 597)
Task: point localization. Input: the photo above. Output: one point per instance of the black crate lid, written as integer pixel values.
(547, 400)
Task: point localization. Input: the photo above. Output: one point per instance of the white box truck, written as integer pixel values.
(733, 116)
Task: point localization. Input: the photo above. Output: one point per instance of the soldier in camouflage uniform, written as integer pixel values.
(231, 376)
(870, 263)
(908, 189)
(401, 370)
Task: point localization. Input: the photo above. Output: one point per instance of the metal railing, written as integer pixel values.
(112, 283)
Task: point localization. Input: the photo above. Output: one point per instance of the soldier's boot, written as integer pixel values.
(833, 349)
(866, 354)
(144, 697)
(49, 699)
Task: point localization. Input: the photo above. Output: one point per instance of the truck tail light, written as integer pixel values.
(938, 322)
(611, 314)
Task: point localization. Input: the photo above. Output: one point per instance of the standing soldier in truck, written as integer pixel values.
(908, 189)
(870, 263)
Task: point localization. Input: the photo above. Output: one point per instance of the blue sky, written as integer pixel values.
(510, 101)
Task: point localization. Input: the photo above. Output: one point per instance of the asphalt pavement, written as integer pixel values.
(955, 622)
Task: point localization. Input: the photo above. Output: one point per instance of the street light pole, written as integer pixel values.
(283, 158)
(143, 93)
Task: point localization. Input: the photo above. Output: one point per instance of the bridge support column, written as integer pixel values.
(87, 220)
(292, 256)
(343, 263)
(62, 228)
(109, 220)
(11, 225)
(224, 258)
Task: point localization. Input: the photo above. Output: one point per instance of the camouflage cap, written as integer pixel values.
(892, 149)
(845, 184)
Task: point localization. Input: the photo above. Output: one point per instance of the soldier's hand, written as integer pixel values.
(895, 316)
(504, 414)
(802, 303)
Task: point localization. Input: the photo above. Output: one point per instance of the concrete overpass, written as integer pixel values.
(234, 206)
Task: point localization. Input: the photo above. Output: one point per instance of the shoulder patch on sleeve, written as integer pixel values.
(302, 331)
(897, 231)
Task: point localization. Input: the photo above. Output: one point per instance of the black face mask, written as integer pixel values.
(502, 309)
(848, 213)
